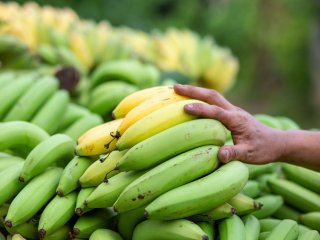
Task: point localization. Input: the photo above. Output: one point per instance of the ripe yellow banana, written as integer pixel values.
(98, 140)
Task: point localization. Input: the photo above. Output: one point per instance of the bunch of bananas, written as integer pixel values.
(59, 36)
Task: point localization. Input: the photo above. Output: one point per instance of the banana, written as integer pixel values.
(311, 220)
(51, 114)
(17, 237)
(163, 145)
(189, 166)
(180, 229)
(298, 175)
(6, 162)
(98, 140)
(88, 223)
(61, 233)
(3, 212)
(82, 196)
(112, 173)
(10, 93)
(28, 229)
(18, 134)
(251, 227)
(97, 171)
(264, 235)
(7, 77)
(68, 58)
(127, 222)
(33, 197)
(48, 54)
(270, 204)
(270, 121)
(105, 97)
(286, 212)
(57, 213)
(309, 235)
(131, 71)
(223, 211)
(107, 192)
(149, 106)
(72, 114)
(232, 228)
(267, 224)
(30, 102)
(201, 195)
(9, 186)
(286, 230)
(82, 125)
(296, 195)
(57, 147)
(69, 180)
(104, 234)
(257, 170)
(244, 204)
(136, 98)
(287, 123)
(208, 228)
(154, 123)
(251, 189)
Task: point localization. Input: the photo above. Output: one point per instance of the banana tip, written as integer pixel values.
(8, 223)
(115, 209)
(42, 233)
(113, 116)
(21, 179)
(204, 237)
(79, 211)
(76, 231)
(146, 214)
(60, 193)
(233, 211)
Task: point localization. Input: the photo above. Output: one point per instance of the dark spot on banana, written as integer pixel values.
(133, 199)
(42, 233)
(140, 196)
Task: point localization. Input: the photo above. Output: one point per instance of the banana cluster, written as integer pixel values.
(59, 36)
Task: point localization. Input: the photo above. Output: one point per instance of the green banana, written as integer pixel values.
(18, 134)
(244, 204)
(107, 192)
(286, 230)
(296, 195)
(298, 175)
(57, 213)
(7, 77)
(82, 196)
(68, 58)
(257, 170)
(10, 93)
(30, 102)
(223, 211)
(251, 227)
(189, 166)
(89, 222)
(251, 189)
(311, 220)
(287, 123)
(270, 204)
(57, 147)
(3, 212)
(33, 197)
(72, 114)
(303, 229)
(163, 145)
(232, 228)
(180, 229)
(264, 235)
(286, 212)
(51, 114)
(9, 186)
(106, 96)
(61, 233)
(268, 120)
(82, 125)
(127, 222)
(267, 224)
(105, 234)
(309, 235)
(69, 180)
(263, 181)
(6, 162)
(208, 228)
(28, 229)
(48, 54)
(201, 195)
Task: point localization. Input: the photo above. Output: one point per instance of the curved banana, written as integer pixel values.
(82, 196)
(208, 228)
(232, 228)
(286, 230)
(244, 204)
(33, 197)
(309, 235)
(6, 162)
(267, 224)
(223, 211)
(251, 189)
(200, 195)
(270, 204)
(61, 233)
(286, 212)
(251, 227)
(311, 220)
(58, 147)
(103, 234)
(127, 222)
(171, 174)
(98, 140)
(27, 230)
(154, 123)
(163, 145)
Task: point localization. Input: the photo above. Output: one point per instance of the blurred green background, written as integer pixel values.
(276, 41)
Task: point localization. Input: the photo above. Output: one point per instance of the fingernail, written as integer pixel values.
(225, 155)
(189, 106)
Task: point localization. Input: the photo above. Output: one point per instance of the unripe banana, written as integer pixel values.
(208, 228)
(8, 161)
(105, 234)
(311, 220)
(163, 146)
(286, 230)
(286, 212)
(28, 229)
(127, 222)
(107, 192)
(269, 120)
(154, 123)
(223, 211)
(57, 213)
(180, 229)
(97, 171)
(287, 123)
(51, 114)
(232, 228)
(309, 235)
(200, 196)
(267, 224)
(7, 77)
(98, 140)
(296, 195)
(257, 170)
(270, 204)
(72, 114)
(57, 147)
(29, 103)
(251, 189)
(188, 166)
(264, 235)
(82, 196)
(69, 180)
(244, 204)
(62, 233)
(33, 197)
(17, 237)
(136, 98)
(251, 227)
(3, 212)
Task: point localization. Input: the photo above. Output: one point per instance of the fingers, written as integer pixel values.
(228, 153)
(207, 95)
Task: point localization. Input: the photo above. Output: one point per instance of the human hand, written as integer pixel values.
(255, 143)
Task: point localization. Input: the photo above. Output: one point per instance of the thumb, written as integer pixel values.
(228, 153)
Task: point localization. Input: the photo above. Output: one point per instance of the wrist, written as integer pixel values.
(282, 152)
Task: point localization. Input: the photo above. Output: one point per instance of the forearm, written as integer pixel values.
(301, 148)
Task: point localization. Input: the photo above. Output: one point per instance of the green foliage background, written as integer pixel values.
(271, 38)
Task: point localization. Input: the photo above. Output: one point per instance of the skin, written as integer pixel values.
(255, 143)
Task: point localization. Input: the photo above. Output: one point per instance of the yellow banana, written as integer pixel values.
(98, 140)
